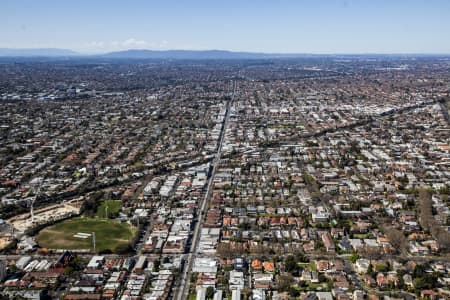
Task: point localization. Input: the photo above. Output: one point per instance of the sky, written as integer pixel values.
(271, 26)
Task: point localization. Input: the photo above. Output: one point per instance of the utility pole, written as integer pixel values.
(37, 192)
(32, 210)
(93, 240)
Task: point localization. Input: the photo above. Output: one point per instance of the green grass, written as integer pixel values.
(311, 265)
(114, 207)
(360, 235)
(110, 235)
(315, 286)
(192, 296)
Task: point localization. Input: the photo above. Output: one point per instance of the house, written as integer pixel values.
(428, 294)
(382, 281)
(344, 244)
(322, 265)
(26, 294)
(358, 295)
(418, 249)
(236, 294)
(262, 281)
(320, 215)
(256, 265)
(328, 242)
(306, 275)
(269, 266)
(205, 265)
(281, 296)
(96, 262)
(239, 264)
(236, 280)
(201, 293)
(140, 264)
(258, 294)
(309, 247)
(324, 296)
(23, 262)
(362, 265)
(218, 295)
(408, 280)
(384, 241)
(369, 280)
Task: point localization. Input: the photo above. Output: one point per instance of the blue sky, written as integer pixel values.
(295, 26)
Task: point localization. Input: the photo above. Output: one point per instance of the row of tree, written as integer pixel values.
(429, 223)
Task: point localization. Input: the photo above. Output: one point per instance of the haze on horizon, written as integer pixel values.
(300, 26)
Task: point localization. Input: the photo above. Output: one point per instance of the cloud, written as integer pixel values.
(95, 44)
(131, 43)
(134, 43)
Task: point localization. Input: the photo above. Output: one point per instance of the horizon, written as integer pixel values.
(76, 53)
(289, 27)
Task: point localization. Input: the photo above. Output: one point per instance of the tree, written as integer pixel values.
(246, 292)
(290, 264)
(68, 270)
(425, 208)
(354, 257)
(209, 292)
(428, 221)
(301, 257)
(428, 281)
(293, 292)
(284, 282)
(419, 271)
(396, 238)
(156, 266)
(371, 252)
(223, 250)
(370, 270)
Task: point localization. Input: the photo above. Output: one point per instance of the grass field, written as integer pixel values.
(110, 235)
(114, 207)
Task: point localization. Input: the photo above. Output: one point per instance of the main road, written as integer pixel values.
(183, 290)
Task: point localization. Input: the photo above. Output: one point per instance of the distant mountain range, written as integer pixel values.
(141, 54)
(185, 54)
(39, 52)
(165, 54)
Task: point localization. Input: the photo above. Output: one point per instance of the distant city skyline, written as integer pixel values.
(318, 27)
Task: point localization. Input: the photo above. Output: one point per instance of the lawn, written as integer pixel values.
(310, 265)
(360, 236)
(114, 207)
(110, 235)
(192, 296)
